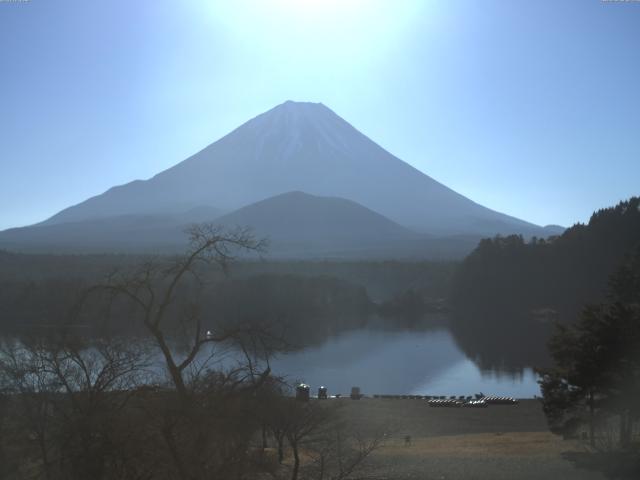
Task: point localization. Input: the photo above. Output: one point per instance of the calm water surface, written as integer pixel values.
(388, 362)
(392, 362)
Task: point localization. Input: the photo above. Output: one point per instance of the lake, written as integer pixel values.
(412, 362)
(399, 362)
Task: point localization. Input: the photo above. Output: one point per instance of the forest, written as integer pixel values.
(507, 294)
(309, 299)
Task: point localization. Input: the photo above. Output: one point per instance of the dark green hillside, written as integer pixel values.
(508, 291)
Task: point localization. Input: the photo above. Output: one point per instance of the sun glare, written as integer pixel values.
(312, 31)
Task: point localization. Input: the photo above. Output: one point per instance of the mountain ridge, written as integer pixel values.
(296, 224)
(300, 146)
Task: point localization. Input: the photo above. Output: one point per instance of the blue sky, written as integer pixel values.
(530, 108)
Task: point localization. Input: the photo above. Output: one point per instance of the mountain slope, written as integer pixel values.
(122, 233)
(297, 225)
(305, 147)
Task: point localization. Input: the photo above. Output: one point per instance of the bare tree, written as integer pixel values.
(97, 381)
(90, 408)
(26, 381)
(274, 411)
(304, 420)
(153, 289)
(337, 449)
(341, 450)
(207, 425)
(68, 395)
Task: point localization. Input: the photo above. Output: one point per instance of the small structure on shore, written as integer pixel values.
(322, 393)
(302, 392)
(355, 393)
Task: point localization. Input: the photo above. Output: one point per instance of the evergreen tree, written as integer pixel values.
(597, 361)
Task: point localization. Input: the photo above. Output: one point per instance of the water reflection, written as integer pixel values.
(392, 362)
(417, 362)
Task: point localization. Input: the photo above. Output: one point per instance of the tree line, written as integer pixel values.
(593, 385)
(571, 306)
(508, 292)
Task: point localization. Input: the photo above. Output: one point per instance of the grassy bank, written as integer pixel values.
(498, 442)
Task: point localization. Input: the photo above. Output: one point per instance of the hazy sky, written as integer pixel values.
(529, 107)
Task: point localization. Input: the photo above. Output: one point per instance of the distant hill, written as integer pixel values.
(310, 223)
(118, 233)
(297, 225)
(552, 231)
(300, 225)
(300, 147)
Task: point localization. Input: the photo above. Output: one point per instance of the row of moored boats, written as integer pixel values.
(478, 402)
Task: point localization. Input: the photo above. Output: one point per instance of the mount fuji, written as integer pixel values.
(294, 147)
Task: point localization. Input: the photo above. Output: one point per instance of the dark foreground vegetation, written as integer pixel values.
(77, 406)
(594, 384)
(508, 292)
(581, 292)
(92, 411)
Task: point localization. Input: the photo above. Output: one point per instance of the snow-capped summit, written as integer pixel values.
(300, 146)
